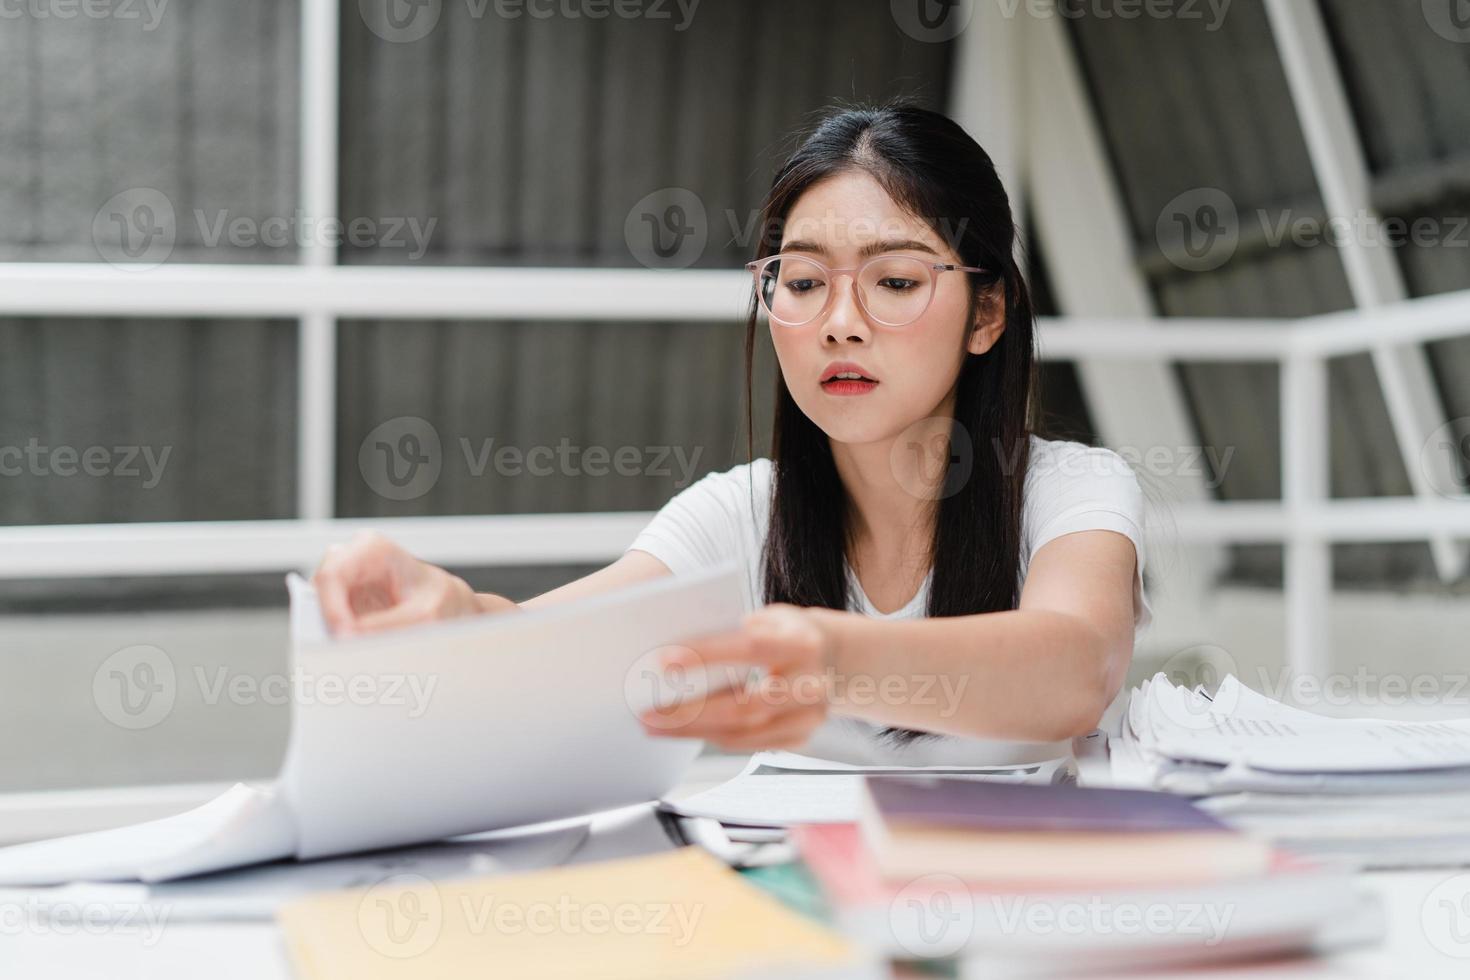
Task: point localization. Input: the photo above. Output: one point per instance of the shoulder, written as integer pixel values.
(736, 481)
(1072, 486)
(1058, 462)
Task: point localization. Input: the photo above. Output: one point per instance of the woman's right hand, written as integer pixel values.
(371, 584)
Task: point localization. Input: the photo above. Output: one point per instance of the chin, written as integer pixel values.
(856, 424)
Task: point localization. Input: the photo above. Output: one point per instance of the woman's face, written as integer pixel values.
(840, 222)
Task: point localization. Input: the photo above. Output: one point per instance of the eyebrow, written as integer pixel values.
(871, 249)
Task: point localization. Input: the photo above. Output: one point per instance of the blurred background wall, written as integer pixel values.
(495, 140)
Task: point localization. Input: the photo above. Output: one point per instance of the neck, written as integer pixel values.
(894, 485)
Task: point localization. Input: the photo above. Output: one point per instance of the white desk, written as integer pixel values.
(188, 951)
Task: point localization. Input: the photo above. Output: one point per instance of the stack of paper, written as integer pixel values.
(1370, 792)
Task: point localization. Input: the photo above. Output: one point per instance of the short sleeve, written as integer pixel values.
(701, 525)
(1071, 487)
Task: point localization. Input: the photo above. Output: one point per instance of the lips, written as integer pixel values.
(847, 371)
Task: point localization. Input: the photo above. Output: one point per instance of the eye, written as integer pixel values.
(802, 285)
(898, 283)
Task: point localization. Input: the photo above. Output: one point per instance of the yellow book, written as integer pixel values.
(680, 915)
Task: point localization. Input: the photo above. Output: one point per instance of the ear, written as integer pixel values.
(990, 323)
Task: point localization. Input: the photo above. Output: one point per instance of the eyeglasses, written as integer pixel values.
(892, 290)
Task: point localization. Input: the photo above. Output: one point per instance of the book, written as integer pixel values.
(1031, 836)
(1008, 930)
(682, 915)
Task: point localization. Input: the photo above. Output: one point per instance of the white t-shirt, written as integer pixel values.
(1069, 487)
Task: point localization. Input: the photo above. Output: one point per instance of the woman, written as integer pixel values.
(940, 587)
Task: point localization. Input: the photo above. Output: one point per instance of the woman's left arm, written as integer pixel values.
(1043, 672)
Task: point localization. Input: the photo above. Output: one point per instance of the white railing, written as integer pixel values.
(324, 297)
(1305, 521)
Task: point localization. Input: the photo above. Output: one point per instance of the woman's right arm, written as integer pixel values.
(371, 584)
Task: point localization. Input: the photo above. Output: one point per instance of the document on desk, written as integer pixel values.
(1239, 727)
(433, 731)
(779, 789)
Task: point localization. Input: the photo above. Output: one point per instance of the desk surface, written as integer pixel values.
(1423, 936)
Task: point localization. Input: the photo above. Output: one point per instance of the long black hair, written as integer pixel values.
(930, 166)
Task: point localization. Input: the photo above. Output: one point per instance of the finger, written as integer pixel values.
(789, 731)
(331, 593)
(731, 647)
(395, 617)
(727, 711)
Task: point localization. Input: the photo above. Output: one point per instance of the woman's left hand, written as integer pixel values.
(778, 707)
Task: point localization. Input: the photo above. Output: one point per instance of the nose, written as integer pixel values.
(845, 320)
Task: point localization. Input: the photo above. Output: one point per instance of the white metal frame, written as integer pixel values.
(320, 294)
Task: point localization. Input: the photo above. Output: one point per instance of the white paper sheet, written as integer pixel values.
(437, 731)
(1244, 728)
(804, 789)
